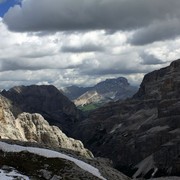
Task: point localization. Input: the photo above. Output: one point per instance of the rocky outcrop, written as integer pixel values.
(141, 134)
(34, 128)
(161, 84)
(88, 98)
(45, 100)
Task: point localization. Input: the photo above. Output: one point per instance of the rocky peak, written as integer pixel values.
(111, 85)
(46, 100)
(163, 83)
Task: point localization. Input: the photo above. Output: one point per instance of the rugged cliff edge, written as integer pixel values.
(141, 135)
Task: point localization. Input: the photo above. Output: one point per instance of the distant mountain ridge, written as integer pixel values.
(103, 92)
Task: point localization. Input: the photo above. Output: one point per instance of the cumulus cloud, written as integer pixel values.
(115, 64)
(27, 58)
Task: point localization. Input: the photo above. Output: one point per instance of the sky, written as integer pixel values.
(82, 42)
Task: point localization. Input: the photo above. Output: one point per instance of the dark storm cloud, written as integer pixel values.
(62, 15)
(149, 59)
(157, 32)
(82, 49)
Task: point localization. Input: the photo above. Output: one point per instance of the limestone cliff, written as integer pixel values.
(34, 128)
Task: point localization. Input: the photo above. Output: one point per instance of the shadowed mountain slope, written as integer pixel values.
(141, 135)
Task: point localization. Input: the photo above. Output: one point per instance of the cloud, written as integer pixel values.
(158, 31)
(150, 59)
(27, 58)
(152, 20)
(82, 49)
(114, 64)
(70, 15)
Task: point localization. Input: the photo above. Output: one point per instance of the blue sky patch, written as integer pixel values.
(6, 4)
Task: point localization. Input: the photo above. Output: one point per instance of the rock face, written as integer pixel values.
(161, 84)
(141, 135)
(46, 100)
(88, 98)
(33, 128)
(7, 121)
(103, 92)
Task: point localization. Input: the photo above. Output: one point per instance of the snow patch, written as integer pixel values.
(5, 175)
(51, 154)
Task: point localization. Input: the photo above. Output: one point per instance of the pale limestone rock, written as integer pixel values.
(34, 128)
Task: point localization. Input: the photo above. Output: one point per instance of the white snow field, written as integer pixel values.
(51, 154)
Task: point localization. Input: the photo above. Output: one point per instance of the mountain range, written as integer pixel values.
(139, 134)
(101, 93)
